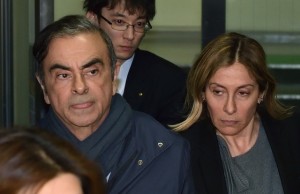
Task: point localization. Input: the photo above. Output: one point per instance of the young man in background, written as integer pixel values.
(148, 82)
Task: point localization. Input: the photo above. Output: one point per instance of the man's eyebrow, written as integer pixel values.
(58, 66)
(87, 65)
(92, 62)
(124, 16)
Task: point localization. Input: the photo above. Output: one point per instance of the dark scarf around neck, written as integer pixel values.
(106, 144)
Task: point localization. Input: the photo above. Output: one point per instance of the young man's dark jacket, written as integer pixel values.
(207, 167)
(136, 153)
(156, 86)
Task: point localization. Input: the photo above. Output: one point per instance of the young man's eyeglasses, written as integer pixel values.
(121, 25)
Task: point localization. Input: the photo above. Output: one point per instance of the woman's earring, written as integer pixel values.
(203, 98)
(260, 100)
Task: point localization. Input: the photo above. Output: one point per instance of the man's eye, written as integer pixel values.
(93, 72)
(140, 24)
(62, 76)
(119, 22)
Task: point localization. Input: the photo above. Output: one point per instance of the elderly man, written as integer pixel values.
(77, 73)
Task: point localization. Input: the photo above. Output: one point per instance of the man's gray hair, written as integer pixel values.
(70, 25)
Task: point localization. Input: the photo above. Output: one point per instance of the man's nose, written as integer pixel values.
(79, 85)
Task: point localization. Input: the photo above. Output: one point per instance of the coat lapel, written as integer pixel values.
(136, 87)
(282, 137)
(206, 160)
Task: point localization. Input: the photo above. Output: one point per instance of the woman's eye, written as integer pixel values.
(218, 92)
(243, 93)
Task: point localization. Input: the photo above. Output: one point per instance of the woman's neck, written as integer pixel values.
(245, 140)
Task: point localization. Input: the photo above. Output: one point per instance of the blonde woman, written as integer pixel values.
(242, 139)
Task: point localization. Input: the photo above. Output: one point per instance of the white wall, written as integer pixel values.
(66, 7)
(169, 12)
(173, 18)
(176, 33)
(263, 15)
(267, 15)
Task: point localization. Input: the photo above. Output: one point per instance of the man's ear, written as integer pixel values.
(46, 98)
(92, 17)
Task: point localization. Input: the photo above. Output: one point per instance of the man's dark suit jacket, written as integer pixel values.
(156, 86)
(206, 163)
